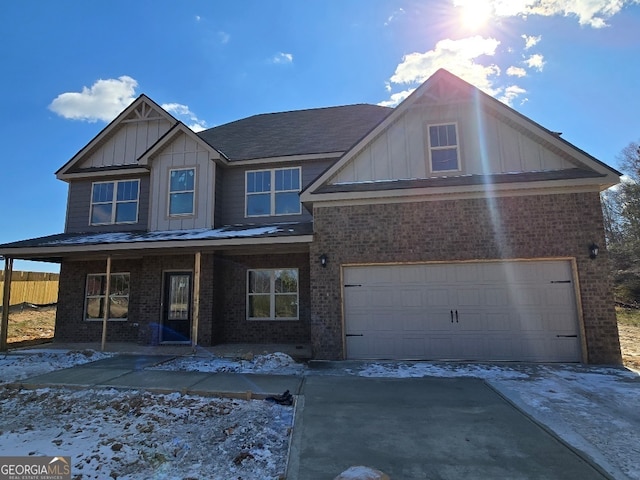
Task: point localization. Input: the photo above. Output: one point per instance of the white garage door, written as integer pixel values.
(468, 311)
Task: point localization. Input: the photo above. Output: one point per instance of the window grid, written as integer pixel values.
(182, 188)
(118, 296)
(443, 147)
(114, 202)
(272, 294)
(272, 192)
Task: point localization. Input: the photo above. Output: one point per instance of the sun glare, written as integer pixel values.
(474, 14)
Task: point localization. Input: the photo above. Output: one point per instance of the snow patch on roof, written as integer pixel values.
(166, 235)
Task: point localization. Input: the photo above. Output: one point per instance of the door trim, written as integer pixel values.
(163, 298)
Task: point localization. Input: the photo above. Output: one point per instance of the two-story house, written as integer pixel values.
(449, 227)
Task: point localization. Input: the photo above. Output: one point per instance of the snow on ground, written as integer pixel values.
(594, 409)
(19, 364)
(273, 363)
(134, 434)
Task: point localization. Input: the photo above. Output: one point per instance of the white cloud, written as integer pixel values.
(396, 98)
(511, 93)
(394, 16)
(530, 41)
(457, 56)
(184, 113)
(535, 61)
(593, 13)
(104, 100)
(516, 72)
(224, 37)
(282, 58)
(198, 18)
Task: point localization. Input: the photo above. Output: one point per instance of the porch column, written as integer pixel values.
(196, 299)
(6, 296)
(107, 303)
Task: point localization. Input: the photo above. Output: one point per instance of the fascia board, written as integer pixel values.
(65, 250)
(109, 173)
(463, 191)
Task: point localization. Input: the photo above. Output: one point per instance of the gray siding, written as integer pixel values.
(80, 204)
(231, 206)
(218, 207)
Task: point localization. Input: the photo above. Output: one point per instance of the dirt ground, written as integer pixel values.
(32, 324)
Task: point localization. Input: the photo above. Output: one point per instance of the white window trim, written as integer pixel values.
(114, 202)
(272, 192)
(431, 149)
(272, 296)
(87, 297)
(169, 192)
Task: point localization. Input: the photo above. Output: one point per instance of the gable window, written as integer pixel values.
(182, 191)
(443, 147)
(118, 296)
(272, 294)
(273, 192)
(114, 202)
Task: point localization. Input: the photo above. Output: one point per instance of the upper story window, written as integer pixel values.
(115, 202)
(273, 192)
(444, 148)
(182, 189)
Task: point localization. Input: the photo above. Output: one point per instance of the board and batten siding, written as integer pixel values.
(79, 207)
(127, 144)
(486, 143)
(182, 152)
(233, 192)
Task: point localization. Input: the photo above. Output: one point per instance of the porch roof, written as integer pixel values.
(60, 245)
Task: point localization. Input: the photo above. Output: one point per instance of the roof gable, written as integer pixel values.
(173, 133)
(122, 141)
(493, 140)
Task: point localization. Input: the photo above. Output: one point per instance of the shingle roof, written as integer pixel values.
(300, 132)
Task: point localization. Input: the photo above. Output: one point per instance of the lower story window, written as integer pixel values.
(118, 296)
(272, 294)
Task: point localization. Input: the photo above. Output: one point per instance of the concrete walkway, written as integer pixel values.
(410, 428)
(128, 371)
(422, 428)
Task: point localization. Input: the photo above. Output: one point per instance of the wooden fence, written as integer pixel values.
(38, 288)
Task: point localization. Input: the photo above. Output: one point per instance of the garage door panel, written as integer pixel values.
(495, 296)
(437, 297)
(498, 321)
(511, 310)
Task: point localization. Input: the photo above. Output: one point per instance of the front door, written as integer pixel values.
(176, 318)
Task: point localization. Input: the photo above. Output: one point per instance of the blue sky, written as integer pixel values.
(71, 66)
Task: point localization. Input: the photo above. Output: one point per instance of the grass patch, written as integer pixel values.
(31, 324)
(628, 316)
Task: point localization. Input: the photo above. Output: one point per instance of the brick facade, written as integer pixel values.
(521, 227)
(231, 301)
(222, 300)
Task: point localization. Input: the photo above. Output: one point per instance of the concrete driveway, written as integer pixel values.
(422, 428)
